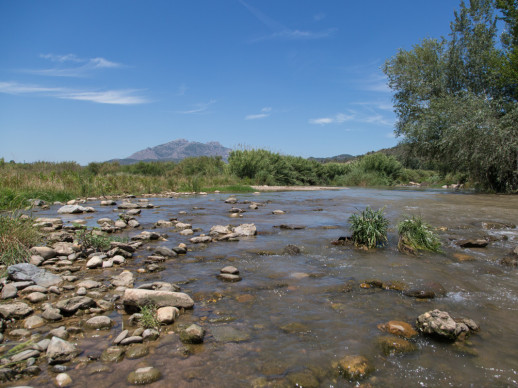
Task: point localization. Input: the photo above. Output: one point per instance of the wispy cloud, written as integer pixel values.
(117, 97)
(336, 119)
(265, 112)
(280, 31)
(198, 108)
(182, 89)
(70, 65)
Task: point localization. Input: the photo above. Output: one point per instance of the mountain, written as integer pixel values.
(338, 158)
(177, 150)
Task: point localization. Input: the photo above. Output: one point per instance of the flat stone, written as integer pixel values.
(277, 212)
(52, 314)
(24, 355)
(112, 354)
(33, 322)
(100, 322)
(26, 271)
(226, 277)
(15, 310)
(135, 298)
(45, 252)
(150, 335)
(120, 337)
(472, 243)
(200, 239)
(229, 334)
(398, 328)
(124, 279)
(20, 333)
(94, 262)
(72, 209)
(60, 332)
(70, 306)
(135, 351)
(230, 270)
(391, 345)
(36, 297)
(166, 252)
(89, 284)
(134, 339)
(9, 291)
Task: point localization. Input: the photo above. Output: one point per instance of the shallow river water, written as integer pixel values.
(292, 316)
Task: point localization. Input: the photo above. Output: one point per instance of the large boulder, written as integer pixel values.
(73, 209)
(26, 271)
(45, 252)
(135, 298)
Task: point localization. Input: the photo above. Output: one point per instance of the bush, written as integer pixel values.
(416, 235)
(149, 319)
(93, 238)
(17, 236)
(369, 228)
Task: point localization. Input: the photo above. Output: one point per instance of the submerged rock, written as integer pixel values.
(144, 375)
(398, 328)
(60, 351)
(473, 243)
(395, 345)
(26, 271)
(192, 335)
(353, 367)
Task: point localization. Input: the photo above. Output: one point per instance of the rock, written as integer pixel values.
(15, 310)
(497, 225)
(20, 333)
(70, 306)
(33, 288)
(65, 248)
(439, 324)
(51, 314)
(230, 270)
(145, 236)
(109, 202)
(277, 212)
(36, 260)
(60, 332)
(105, 220)
(135, 351)
(245, 230)
(134, 339)
(292, 227)
(181, 225)
(124, 279)
(100, 322)
(305, 378)
(134, 298)
(89, 284)
(63, 380)
(144, 376)
(73, 209)
(398, 328)
(391, 345)
(192, 335)
(472, 243)
(231, 200)
(45, 252)
(9, 291)
(187, 232)
(33, 322)
(167, 315)
(353, 367)
(120, 224)
(291, 249)
(120, 337)
(166, 252)
(26, 271)
(60, 351)
(231, 278)
(201, 239)
(94, 262)
(150, 335)
(36, 297)
(24, 355)
(419, 294)
(217, 230)
(112, 354)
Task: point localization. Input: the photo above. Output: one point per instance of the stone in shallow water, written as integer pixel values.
(399, 328)
(60, 351)
(136, 351)
(100, 322)
(439, 324)
(192, 335)
(33, 322)
(395, 345)
(144, 375)
(353, 367)
(15, 310)
(63, 380)
(229, 334)
(112, 354)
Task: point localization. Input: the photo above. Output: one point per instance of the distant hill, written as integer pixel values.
(177, 150)
(338, 158)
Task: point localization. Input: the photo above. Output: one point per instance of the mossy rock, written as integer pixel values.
(395, 345)
(353, 367)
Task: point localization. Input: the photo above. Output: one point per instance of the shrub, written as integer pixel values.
(92, 238)
(416, 235)
(369, 228)
(17, 236)
(149, 319)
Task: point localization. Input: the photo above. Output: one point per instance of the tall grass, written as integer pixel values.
(17, 236)
(416, 235)
(369, 228)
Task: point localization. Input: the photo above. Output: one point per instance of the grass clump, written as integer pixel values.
(416, 235)
(149, 319)
(95, 239)
(17, 236)
(369, 228)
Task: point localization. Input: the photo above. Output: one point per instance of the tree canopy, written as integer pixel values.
(456, 97)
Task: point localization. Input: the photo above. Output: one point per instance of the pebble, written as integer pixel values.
(63, 380)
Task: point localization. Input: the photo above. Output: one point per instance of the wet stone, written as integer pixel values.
(398, 328)
(192, 335)
(33, 322)
(229, 334)
(136, 351)
(353, 367)
(100, 322)
(395, 345)
(63, 380)
(112, 354)
(134, 339)
(144, 375)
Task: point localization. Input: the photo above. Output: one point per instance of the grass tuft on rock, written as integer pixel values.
(416, 235)
(95, 239)
(149, 319)
(17, 236)
(369, 228)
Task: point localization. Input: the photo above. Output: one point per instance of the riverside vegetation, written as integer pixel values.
(20, 182)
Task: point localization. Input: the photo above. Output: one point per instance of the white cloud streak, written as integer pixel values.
(115, 97)
(366, 118)
(82, 67)
(337, 119)
(198, 108)
(265, 112)
(280, 31)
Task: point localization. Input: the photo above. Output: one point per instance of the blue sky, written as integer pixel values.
(96, 80)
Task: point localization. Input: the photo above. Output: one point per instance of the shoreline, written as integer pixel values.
(297, 188)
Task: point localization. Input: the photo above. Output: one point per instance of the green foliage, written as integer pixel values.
(369, 228)
(456, 99)
(149, 319)
(416, 235)
(95, 239)
(17, 236)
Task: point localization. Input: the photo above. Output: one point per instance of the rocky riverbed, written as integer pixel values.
(249, 290)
